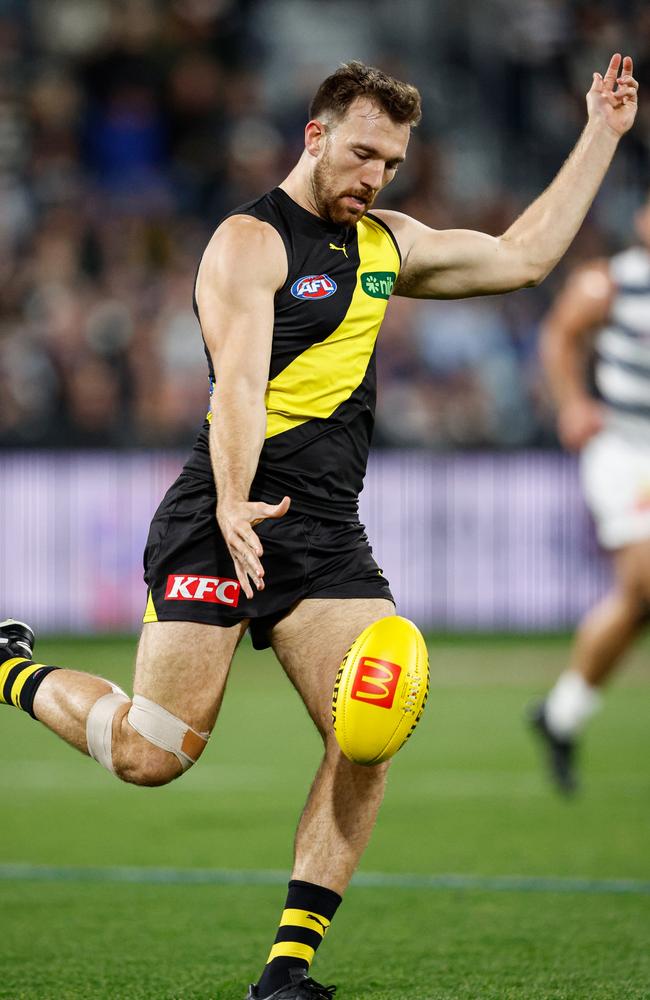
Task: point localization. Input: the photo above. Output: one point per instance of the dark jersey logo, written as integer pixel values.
(313, 286)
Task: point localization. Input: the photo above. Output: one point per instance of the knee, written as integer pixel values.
(362, 773)
(138, 762)
(633, 581)
(139, 741)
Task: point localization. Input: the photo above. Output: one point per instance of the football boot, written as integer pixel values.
(16, 639)
(301, 987)
(560, 753)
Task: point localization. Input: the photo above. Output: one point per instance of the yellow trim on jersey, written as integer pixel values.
(291, 949)
(150, 613)
(305, 918)
(327, 373)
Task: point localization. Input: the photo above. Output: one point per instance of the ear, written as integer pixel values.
(315, 133)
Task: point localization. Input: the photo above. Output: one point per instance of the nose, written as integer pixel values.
(373, 175)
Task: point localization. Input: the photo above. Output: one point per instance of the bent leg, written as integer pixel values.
(181, 667)
(602, 638)
(344, 799)
(607, 631)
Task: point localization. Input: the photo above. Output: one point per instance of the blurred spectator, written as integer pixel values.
(129, 127)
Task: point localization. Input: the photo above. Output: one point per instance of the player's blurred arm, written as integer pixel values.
(242, 268)
(565, 336)
(458, 263)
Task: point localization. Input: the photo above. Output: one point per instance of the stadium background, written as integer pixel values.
(126, 130)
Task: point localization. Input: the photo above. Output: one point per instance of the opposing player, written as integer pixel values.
(605, 306)
(290, 294)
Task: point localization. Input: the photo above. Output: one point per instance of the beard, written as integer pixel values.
(331, 202)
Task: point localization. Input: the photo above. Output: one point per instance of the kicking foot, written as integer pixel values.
(560, 754)
(301, 987)
(16, 639)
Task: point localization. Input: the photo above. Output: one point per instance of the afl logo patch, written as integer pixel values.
(313, 286)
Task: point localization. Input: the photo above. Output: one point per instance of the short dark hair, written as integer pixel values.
(400, 101)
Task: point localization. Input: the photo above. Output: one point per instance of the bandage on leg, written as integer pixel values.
(99, 726)
(166, 731)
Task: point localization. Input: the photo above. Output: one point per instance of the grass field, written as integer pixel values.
(110, 891)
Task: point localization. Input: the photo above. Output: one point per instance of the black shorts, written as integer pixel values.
(191, 576)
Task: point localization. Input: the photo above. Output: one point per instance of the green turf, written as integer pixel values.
(466, 796)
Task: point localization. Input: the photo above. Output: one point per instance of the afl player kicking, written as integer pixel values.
(260, 530)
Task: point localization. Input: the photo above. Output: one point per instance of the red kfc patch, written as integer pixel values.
(213, 589)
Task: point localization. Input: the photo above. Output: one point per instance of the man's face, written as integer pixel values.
(358, 156)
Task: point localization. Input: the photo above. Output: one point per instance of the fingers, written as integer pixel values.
(612, 70)
(244, 544)
(264, 510)
(243, 579)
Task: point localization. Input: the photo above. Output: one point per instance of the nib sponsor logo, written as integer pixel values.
(213, 589)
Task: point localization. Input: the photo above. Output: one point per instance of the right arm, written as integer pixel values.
(566, 335)
(242, 268)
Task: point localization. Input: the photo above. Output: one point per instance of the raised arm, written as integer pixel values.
(459, 263)
(242, 268)
(566, 335)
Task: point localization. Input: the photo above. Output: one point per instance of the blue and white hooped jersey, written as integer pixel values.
(622, 369)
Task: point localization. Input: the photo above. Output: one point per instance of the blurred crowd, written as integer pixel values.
(129, 127)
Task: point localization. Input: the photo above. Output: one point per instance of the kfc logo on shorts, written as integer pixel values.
(213, 589)
(313, 286)
(376, 681)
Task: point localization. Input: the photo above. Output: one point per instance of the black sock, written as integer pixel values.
(307, 914)
(20, 679)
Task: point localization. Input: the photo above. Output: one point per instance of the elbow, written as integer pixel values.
(536, 272)
(530, 266)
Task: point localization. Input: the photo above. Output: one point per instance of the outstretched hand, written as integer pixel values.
(236, 520)
(613, 98)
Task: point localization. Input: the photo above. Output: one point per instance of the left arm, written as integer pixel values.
(456, 263)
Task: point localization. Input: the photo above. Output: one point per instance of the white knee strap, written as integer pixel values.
(164, 730)
(99, 727)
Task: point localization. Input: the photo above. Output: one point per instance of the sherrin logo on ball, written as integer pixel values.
(380, 690)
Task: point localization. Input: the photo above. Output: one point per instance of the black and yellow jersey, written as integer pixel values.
(320, 397)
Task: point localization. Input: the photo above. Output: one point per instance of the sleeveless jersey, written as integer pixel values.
(622, 364)
(320, 396)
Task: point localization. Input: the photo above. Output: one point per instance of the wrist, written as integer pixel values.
(598, 126)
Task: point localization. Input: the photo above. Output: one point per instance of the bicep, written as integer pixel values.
(458, 263)
(242, 268)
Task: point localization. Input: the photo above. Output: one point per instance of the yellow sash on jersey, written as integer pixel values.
(327, 373)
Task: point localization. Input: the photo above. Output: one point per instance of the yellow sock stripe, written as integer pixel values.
(291, 949)
(6, 667)
(305, 918)
(20, 681)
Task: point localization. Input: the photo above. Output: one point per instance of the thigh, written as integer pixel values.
(184, 666)
(311, 641)
(632, 570)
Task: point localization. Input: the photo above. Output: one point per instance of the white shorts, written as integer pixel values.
(615, 471)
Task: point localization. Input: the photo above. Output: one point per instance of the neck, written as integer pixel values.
(298, 185)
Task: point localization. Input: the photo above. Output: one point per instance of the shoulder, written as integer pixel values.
(243, 248)
(591, 282)
(402, 228)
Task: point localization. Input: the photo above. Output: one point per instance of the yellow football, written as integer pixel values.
(380, 690)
